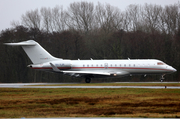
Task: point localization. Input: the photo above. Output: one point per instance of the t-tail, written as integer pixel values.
(35, 52)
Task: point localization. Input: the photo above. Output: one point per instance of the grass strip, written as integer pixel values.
(17, 103)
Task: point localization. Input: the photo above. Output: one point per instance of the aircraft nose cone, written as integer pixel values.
(173, 69)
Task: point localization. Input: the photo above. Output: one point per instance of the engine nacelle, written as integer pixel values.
(60, 64)
(35, 66)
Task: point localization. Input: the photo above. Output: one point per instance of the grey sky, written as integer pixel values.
(13, 9)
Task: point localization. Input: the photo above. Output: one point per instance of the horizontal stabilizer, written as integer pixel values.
(24, 43)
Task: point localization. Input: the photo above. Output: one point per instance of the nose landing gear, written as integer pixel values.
(162, 78)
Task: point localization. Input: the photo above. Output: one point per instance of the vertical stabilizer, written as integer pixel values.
(35, 52)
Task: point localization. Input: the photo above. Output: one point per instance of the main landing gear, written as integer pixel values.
(162, 78)
(88, 80)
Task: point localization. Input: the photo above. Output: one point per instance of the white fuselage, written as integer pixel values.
(129, 67)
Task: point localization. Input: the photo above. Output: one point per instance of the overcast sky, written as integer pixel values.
(13, 9)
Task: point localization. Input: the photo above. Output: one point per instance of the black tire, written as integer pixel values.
(87, 80)
(161, 80)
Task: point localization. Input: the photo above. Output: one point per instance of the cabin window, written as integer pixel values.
(111, 65)
(96, 65)
(101, 65)
(124, 65)
(160, 63)
(92, 65)
(83, 65)
(88, 65)
(120, 65)
(129, 65)
(115, 65)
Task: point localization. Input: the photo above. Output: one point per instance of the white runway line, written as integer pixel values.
(34, 85)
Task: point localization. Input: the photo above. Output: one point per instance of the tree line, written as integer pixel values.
(101, 31)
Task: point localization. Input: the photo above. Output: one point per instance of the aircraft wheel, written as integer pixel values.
(161, 80)
(87, 80)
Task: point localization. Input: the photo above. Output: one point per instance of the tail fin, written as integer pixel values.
(35, 52)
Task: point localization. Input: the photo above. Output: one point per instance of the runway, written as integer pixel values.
(47, 85)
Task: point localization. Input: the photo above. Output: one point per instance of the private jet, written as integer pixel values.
(89, 69)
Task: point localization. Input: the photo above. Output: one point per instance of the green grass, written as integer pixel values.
(16, 103)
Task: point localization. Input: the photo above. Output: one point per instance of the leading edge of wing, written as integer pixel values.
(87, 72)
(78, 72)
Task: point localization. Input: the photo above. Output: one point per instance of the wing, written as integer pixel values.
(85, 73)
(79, 73)
(90, 73)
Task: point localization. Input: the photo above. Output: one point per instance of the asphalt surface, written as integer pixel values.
(47, 85)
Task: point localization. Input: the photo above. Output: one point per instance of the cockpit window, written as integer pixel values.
(160, 63)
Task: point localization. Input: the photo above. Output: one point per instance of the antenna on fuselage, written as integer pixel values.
(129, 58)
(91, 58)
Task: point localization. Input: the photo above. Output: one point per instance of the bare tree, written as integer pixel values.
(32, 19)
(134, 18)
(171, 18)
(15, 23)
(80, 16)
(58, 16)
(152, 17)
(47, 19)
(108, 18)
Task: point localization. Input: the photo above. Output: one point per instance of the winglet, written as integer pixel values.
(55, 68)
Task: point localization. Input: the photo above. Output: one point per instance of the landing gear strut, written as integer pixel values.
(162, 78)
(88, 80)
